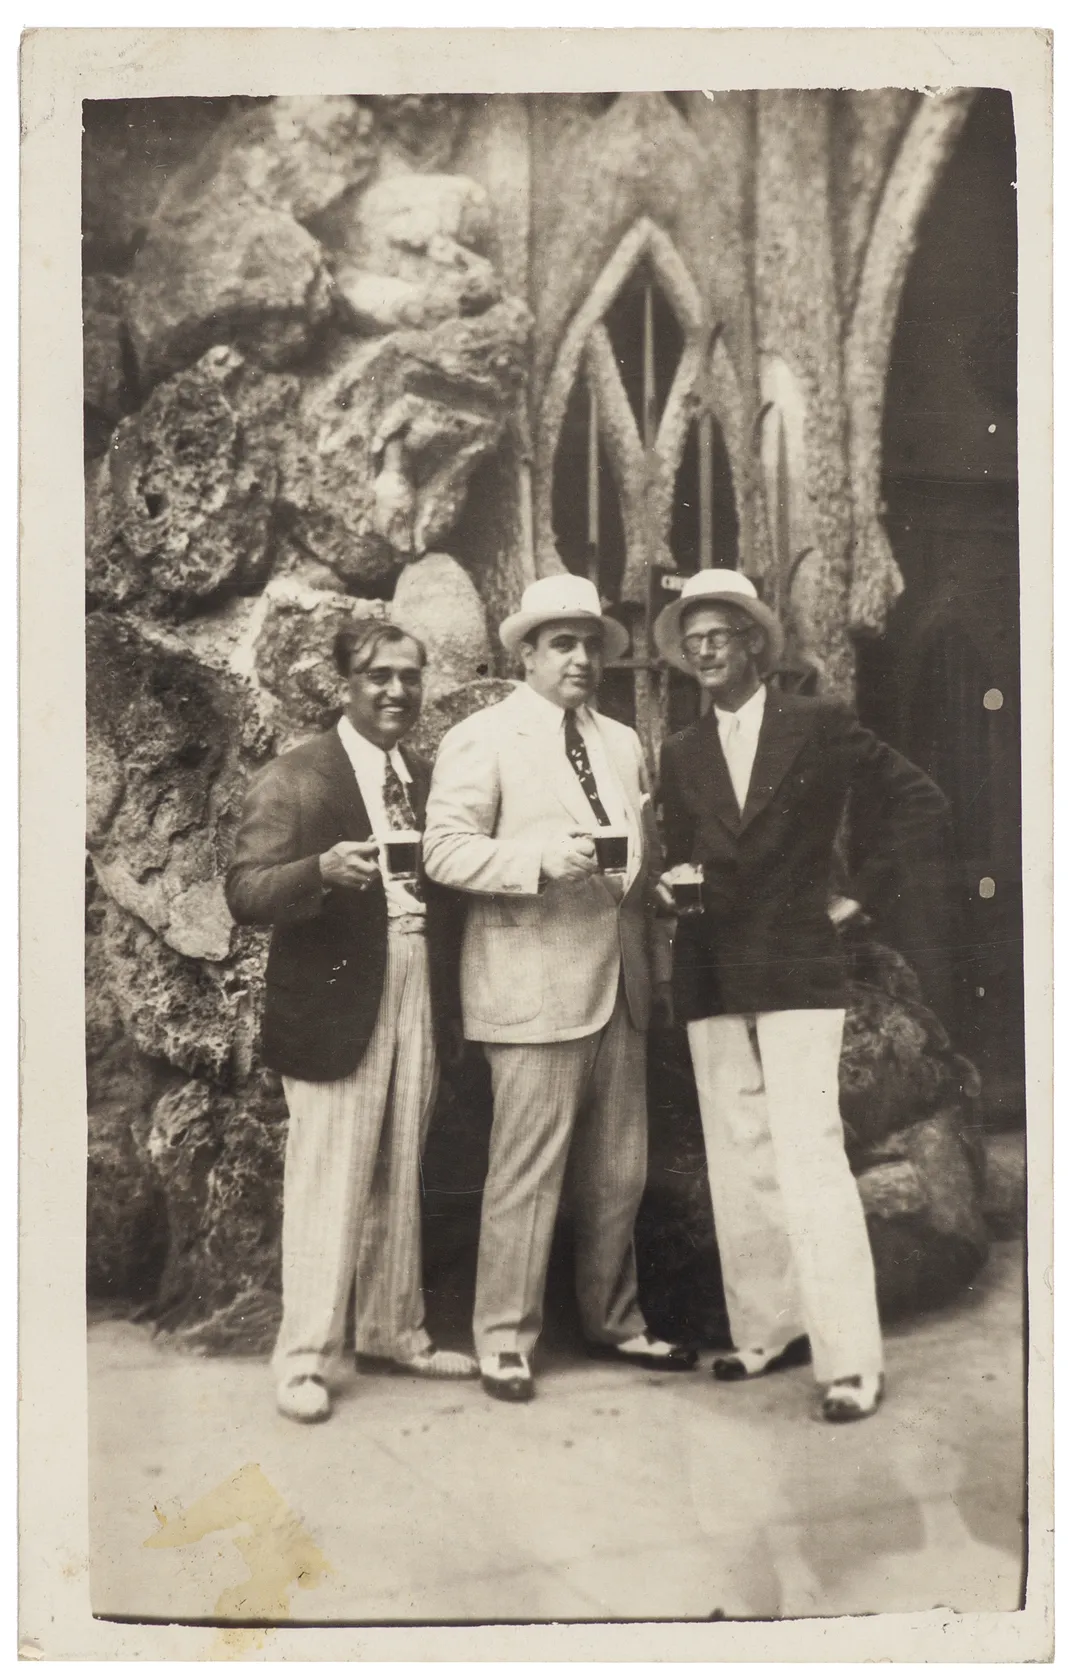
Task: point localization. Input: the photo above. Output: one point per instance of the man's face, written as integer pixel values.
(728, 672)
(383, 699)
(565, 662)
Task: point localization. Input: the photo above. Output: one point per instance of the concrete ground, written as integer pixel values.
(616, 1495)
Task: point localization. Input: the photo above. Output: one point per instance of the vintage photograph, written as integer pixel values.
(553, 887)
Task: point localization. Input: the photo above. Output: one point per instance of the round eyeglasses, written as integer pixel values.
(711, 640)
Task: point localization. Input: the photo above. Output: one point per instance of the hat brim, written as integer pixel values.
(667, 628)
(513, 630)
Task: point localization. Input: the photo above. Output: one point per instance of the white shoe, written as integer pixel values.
(433, 1362)
(303, 1399)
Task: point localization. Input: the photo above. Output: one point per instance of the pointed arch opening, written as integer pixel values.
(636, 453)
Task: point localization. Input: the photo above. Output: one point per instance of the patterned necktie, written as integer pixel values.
(399, 812)
(577, 753)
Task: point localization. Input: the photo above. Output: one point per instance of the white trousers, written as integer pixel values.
(351, 1185)
(791, 1232)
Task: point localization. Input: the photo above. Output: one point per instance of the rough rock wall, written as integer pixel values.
(297, 354)
(306, 356)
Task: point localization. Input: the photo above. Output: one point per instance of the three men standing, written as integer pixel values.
(539, 816)
(556, 978)
(361, 973)
(753, 794)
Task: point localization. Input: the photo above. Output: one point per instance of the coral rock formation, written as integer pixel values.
(180, 506)
(227, 257)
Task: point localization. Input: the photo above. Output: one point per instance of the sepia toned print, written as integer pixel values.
(554, 911)
(398, 358)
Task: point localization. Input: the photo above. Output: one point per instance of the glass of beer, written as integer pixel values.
(612, 849)
(686, 884)
(402, 854)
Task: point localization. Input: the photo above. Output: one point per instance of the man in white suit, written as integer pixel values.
(557, 977)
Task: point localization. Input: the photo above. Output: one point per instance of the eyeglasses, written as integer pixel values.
(714, 640)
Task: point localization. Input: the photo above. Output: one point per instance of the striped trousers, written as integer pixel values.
(572, 1114)
(351, 1185)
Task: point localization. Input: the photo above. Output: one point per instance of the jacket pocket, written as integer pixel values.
(502, 968)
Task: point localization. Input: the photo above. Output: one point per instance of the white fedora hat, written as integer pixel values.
(557, 598)
(710, 588)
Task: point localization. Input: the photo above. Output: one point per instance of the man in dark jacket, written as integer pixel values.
(361, 970)
(753, 795)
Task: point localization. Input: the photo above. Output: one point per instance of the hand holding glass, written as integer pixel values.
(402, 854)
(685, 883)
(612, 849)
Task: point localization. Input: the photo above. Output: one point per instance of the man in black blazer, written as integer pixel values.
(362, 971)
(753, 795)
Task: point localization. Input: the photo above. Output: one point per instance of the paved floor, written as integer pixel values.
(617, 1495)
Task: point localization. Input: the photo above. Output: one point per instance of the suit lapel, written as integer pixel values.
(781, 736)
(710, 774)
(548, 753)
(342, 791)
(621, 762)
(418, 787)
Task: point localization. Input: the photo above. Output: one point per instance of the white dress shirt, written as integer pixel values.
(612, 797)
(738, 732)
(369, 764)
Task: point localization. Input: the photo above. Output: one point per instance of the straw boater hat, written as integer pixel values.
(550, 600)
(711, 588)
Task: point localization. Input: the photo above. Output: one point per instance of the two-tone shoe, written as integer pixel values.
(507, 1376)
(646, 1351)
(852, 1398)
(745, 1363)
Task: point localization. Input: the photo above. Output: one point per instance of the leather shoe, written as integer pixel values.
(432, 1362)
(507, 1376)
(303, 1399)
(852, 1398)
(646, 1351)
(742, 1365)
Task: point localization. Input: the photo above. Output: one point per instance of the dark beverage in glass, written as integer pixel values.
(612, 850)
(402, 854)
(686, 884)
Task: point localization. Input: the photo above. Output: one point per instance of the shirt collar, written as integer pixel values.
(750, 714)
(546, 713)
(359, 750)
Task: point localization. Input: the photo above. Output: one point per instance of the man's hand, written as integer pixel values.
(351, 863)
(664, 896)
(569, 856)
(842, 909)
(662, 1005)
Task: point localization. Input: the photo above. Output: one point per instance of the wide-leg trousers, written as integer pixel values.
(351, 1185)
(566, 1115)
(792, 1238)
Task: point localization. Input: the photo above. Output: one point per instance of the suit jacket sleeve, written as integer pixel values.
(269, 882)
(895, 810)
(460, 847)
(677, 820)
(658, 928)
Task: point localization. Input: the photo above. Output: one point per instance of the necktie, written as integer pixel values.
(733, 750)
(577, 753)
(399, 812)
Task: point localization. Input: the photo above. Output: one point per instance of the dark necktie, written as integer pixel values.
(577, 753)
(399, 812)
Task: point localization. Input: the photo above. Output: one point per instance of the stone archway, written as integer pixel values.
(928, 143)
